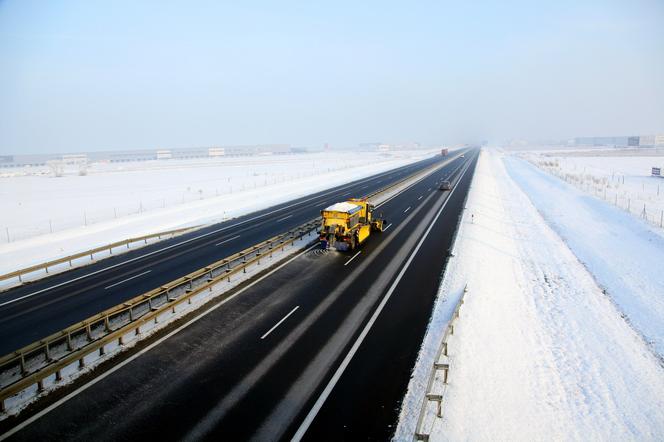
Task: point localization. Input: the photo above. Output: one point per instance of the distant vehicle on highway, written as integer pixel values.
(463, 156)
(445, 185)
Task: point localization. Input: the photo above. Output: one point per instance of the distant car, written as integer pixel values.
(445, 186)
(463, 156)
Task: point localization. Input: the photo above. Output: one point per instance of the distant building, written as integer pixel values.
(164, 154)
(623, 141)
(647, 141)
(216, 152)
(8, 161)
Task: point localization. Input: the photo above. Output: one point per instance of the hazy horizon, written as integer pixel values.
(78, 76)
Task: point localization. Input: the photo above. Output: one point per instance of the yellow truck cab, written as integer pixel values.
(348, 224)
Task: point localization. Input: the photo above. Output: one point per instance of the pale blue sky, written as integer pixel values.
(119, 75)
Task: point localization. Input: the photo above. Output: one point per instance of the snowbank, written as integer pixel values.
(539, 351)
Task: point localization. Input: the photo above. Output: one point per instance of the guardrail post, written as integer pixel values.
(107, 324)
(2, 406)
(438, 398)
(22, 362)
(451, 329)
(40, 386)
(445, 348)
(442, 366)
(47, 350)
(88, 332)
(69, 346)
(58, 375)
(421, 436)
(102, 351)
(81, 363)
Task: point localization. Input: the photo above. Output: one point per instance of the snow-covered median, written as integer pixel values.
(539, 351)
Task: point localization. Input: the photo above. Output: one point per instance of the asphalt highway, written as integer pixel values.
(319, 348)
(38, 309)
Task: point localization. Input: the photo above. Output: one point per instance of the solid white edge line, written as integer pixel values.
(388, 226)
(227, 240)
(279, 323)
(337, 374)
(354, 256)
(84, 387)
(128, 279)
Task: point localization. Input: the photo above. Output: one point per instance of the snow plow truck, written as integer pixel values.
(348, 224)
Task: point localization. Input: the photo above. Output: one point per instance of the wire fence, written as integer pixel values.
(641, 199)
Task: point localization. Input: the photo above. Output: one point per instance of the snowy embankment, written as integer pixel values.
(163, 195)
(623, 253)
(539, 351)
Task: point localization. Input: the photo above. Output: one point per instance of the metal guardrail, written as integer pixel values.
(430, 395)
(438, 365)
(35, 362)
(46, 357)
(19, 273)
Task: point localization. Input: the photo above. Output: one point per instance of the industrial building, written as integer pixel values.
(622, 141)
(35, 160)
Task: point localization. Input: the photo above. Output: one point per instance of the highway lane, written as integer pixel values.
(253, 366)
(38, 309)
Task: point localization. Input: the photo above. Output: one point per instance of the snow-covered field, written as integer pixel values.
(118, 201)
(540, 351)
(622, 178)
